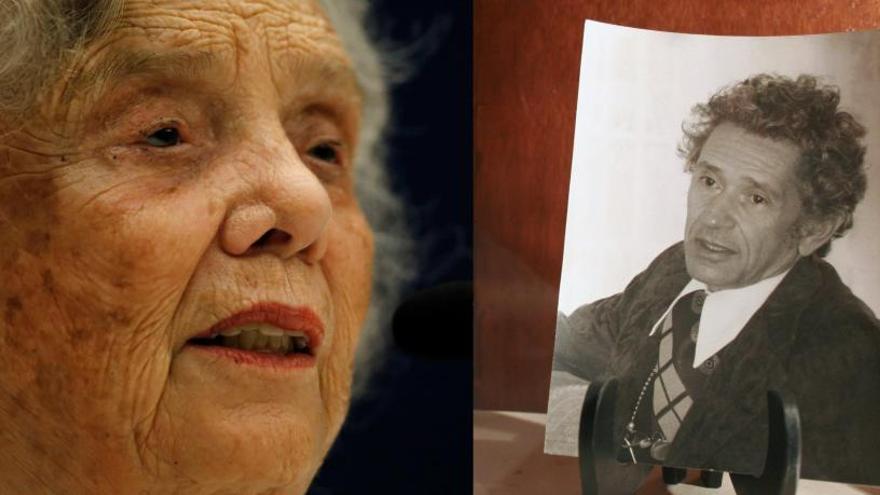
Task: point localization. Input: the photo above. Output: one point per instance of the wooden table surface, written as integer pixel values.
(509, 459)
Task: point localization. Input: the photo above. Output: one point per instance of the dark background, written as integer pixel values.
(413, 432)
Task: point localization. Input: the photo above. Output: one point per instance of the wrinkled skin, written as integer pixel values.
(119, 244)
(744, 221)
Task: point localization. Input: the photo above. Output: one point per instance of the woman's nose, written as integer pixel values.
(286, 214)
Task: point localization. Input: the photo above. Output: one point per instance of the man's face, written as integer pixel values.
(743, 209)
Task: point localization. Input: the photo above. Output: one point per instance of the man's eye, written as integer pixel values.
(707, 181)
(758, 199)
(326, 152)
(164, 137)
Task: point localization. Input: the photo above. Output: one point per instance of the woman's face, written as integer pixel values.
(193, 168)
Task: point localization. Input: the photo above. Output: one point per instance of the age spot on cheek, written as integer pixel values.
(13, 305)
(119, 316)
(37, 241)
(30, 198)
(29, 205)
(51, 383)
(48, 281)
(121, 282)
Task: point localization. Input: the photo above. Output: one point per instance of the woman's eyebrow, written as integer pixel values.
(329, 75)
(122, 64)
(96, 79)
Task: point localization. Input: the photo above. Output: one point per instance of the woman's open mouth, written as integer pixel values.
(259, 338)
(267, 334)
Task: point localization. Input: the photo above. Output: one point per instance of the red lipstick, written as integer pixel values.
(300, 319)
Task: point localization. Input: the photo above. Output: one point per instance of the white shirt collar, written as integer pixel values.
(725, 313)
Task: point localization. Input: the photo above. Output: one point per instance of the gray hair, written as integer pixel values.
(393, 262)
(36, 39)
(39, 37)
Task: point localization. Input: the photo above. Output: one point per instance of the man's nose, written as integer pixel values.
(719, 211)
(285, 209)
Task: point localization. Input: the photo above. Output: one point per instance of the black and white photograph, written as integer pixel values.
(720, 243)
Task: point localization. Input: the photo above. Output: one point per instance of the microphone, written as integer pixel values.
(437, 322)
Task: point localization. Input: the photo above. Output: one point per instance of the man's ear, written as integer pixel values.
(815, 232)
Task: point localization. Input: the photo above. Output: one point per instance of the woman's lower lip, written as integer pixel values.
(256, 358)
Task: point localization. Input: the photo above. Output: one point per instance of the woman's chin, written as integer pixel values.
(222, 427)
(256, 450)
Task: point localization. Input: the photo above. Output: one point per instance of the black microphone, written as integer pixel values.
(437, 322)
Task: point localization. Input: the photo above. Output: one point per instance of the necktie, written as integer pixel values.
(676, 382)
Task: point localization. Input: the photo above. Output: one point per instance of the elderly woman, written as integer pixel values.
(186, 266)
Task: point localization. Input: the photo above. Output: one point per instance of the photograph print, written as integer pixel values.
(721, 242)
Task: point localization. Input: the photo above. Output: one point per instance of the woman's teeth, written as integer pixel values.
(264, 339)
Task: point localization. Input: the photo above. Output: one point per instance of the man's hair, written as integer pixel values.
(830, 172)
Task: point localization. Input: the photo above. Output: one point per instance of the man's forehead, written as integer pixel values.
(731, 146)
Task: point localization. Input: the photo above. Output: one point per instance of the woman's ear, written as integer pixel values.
(815, 232)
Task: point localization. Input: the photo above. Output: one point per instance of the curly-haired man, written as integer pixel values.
(745, 303)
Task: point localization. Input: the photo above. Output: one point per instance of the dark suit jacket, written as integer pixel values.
(812, 338)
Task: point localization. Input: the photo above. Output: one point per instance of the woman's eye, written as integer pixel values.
(758, 199)
(707, 181)
(164, 137)
(326, 152)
